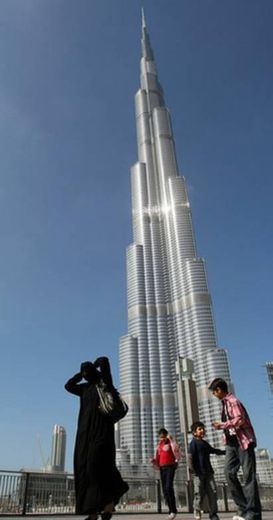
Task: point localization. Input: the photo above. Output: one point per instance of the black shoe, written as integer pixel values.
(106, 515)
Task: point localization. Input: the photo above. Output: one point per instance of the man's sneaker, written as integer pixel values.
(238, 517)
(171, 516)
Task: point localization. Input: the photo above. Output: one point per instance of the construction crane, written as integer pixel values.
(45, 461)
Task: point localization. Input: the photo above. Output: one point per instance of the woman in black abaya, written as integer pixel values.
(98, 483)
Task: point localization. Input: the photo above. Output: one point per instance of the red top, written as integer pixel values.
(164, 453)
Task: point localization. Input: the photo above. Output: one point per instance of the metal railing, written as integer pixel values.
(37, 493)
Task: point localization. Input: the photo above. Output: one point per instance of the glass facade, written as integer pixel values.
(169, 306)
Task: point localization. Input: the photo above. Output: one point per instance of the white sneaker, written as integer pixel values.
(171, 516)
(197, 515)
(238, 517)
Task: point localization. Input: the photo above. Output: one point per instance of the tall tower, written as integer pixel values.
(57, 462)
(169, 305)
(269, 369)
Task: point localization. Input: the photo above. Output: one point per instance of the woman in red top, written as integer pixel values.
(166, 457)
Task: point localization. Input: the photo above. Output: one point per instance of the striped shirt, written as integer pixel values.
(238, 419)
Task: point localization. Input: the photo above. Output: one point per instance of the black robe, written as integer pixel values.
(97, 479)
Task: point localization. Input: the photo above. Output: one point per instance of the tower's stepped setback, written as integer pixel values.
(169, 305)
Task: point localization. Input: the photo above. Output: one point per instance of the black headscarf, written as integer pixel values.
(104, 370)
(90, 373)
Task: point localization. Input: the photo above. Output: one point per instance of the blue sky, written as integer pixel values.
(69, 71)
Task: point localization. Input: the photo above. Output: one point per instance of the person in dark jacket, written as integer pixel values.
(201, 468)
(98, 483)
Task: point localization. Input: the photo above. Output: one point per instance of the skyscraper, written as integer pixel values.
(269, 370)
(169, 305)
(57, 461)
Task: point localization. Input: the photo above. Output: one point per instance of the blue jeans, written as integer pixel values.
(167, 475)
(247, 497)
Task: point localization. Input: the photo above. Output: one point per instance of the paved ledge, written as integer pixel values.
(180, 516)
(267, 515)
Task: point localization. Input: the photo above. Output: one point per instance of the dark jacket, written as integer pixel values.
(199, 454)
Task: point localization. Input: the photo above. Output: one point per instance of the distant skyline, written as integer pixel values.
(67, 141)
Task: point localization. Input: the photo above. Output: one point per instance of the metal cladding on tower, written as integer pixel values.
(169, 305)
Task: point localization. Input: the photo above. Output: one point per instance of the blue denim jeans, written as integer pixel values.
(246, 497)
(167, 475)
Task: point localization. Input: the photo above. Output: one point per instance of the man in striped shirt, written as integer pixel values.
(240, 443)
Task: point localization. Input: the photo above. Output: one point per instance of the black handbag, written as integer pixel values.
(111, 403)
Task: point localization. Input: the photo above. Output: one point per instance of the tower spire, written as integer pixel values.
(143, 18)
(146, 45)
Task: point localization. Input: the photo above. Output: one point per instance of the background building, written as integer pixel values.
(264, 466)
(57, 459)
(269, 370)
(169, 305)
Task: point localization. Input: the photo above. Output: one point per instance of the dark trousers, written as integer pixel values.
(205, 486)
(247, 497)
(167, 475)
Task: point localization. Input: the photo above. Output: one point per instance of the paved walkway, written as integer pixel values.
(182, 516)
(267, 515)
